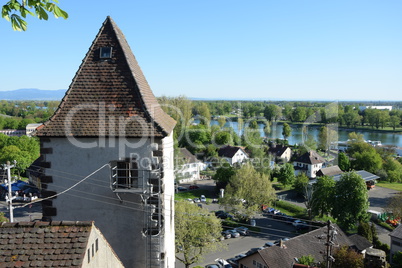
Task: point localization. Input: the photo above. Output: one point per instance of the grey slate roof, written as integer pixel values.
(397, 232)
(360, 242)
(311, 243)
(108, 97)
(311, 158)
(366, 176)
(329, 171)
(43, 244)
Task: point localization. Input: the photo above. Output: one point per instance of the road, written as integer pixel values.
(28, 213)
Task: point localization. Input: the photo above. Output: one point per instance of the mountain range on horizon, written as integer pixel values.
(56, 95)
(32, 94)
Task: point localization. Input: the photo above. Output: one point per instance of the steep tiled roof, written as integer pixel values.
(311, 158)
(228, 151)
(109, 96)
(311, 243)
(43, 244)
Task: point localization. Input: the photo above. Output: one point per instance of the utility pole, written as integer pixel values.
(10, 201)
(328, 243)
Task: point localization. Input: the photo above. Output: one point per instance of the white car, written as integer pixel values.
(203, 199)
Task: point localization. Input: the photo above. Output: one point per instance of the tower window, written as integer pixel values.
(105, 52)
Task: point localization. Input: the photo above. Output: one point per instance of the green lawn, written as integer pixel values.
(193, 194)
(393, 186)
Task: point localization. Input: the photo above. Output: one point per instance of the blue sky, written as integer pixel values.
(221, 49)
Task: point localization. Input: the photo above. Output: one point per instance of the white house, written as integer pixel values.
(309, 163)
(233, 154)
(107, 155)
(187, 166)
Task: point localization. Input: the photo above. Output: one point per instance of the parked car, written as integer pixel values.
(223, 215)
(193, 187)
(226, 235)
(242, 230)
(181, 188)
(203, 199)
(233, 233)
(190, 200)
(299, 224)
(197, 200)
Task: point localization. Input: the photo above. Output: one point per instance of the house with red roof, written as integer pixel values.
(107, 155)
(55, 244)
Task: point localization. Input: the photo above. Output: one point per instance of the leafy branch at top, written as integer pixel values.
(16, 11)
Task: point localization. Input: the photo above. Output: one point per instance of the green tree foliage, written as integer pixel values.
(326, 136)
(221, 121)
(180, 109)
(397, 260)
(394, 121)
(267, 128)
(351, 118)
(247, 190)
(299, 114)
(272, 112)
(300, 183)
(223, 138)
(195, 138)
(286, 131)
(223, 175)
(202, 110)
(368, 160)
(345, 257)
(3, 218)
(286, 174)
(17, 11)
(393, 169)
(394, 205)
(306, 260)
(197, 232)
(351, 200)
(323, 195)
(364, 229)
(23, 149)
(343, 162)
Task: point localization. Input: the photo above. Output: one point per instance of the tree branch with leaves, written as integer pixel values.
(16, 12)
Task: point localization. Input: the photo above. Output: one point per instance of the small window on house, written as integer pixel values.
(105, 52)
(96, 245)
(93, 250)
(89, 255)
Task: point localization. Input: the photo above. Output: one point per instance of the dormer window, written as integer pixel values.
(105, 52)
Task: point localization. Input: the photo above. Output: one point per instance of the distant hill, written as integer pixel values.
(32, 94)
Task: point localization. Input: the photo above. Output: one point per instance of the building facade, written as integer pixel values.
(107, 155)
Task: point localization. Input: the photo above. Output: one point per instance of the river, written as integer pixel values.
(296, 137)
